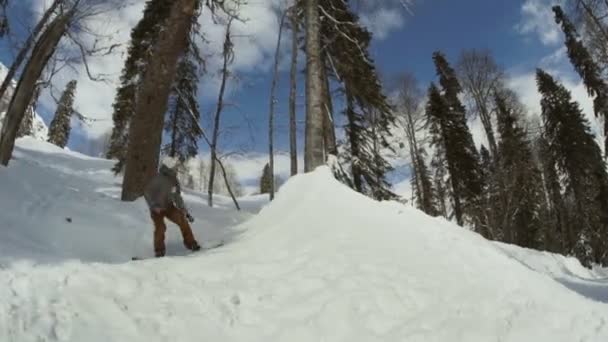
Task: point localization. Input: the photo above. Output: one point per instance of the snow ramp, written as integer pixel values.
(320, 263)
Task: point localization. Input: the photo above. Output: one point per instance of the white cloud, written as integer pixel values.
(383, 21)
(537, 20)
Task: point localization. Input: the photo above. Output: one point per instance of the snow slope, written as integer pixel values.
(321, 263)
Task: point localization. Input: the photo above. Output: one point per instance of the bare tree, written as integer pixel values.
(145, 130)
(228, 58)
(481, 77)
(273, 100)
(293, 147)
(313, 147)
(27, 46)
(41, 54)
(411, 115)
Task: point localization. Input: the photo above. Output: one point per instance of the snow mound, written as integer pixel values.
(320, 263)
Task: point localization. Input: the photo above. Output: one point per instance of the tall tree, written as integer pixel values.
(481, 77)
(558, 229)
(41, 54)
(59, 131)
(146, 126)
(581, 169)
(227, 59)
(273, 100)
(521, 197)
(314, 155)
(144, 38)
(447, 116)
(586, 67)
(180, 124)
(293, 145)
(369, 116)
(408, 108)
(27, 46)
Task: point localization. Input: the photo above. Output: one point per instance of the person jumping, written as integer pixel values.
(163, 196)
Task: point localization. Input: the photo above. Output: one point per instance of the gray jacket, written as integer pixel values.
(164, 190)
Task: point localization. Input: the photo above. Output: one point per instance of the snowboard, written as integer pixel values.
(205, 247)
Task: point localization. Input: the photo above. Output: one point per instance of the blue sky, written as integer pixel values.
(520, 33)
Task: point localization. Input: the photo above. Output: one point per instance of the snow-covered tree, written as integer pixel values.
(59, 131)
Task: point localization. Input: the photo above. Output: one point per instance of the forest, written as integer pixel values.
(540, 184)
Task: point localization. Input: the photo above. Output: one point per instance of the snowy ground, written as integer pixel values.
(321, 263)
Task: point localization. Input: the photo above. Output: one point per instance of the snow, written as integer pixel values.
(320, 263)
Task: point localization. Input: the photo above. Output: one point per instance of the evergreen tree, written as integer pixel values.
(266, 180)
(578, 160)
(521, 189)
(182, 120)
(438, 165)
(557, 230)
(425, 191)
(586, 67)
(369, 116)
(59, 131)
(489, 207)
(446, 114)
(143, 39)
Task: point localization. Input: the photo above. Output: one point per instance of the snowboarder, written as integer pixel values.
(163, 196)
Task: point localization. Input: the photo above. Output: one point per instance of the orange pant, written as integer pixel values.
(179, 218)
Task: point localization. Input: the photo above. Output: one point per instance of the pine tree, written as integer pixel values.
(490, 194)
(27, 125)
(143, 39)
(369, 116)
(587, 68)
(521, 189)
(59, 131)
(581, 170)
(447, 117)
(182, 120)
(266, 180)
(425, 196)
(557, 231)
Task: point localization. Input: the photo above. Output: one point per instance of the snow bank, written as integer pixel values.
(45, 186)
(321, 263)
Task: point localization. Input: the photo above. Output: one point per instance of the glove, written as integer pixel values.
(189, 217)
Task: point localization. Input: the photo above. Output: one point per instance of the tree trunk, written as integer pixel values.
(313, 146)
(410, 132)
(228, 187)
(173, 146)
(220, 105)
(145, 130)
(354, 143)
(273, 87)
(27, 46)
(42, 52)
(293, 147)
(329, 130)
